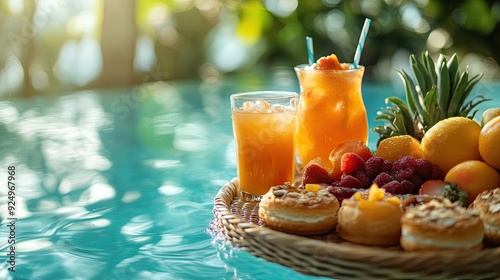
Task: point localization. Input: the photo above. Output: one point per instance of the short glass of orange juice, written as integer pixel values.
(264, 127)
(331, 111)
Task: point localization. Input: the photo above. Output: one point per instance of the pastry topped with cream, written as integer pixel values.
(487, 205)
(304, 211)
(371, 218)
(441, 225)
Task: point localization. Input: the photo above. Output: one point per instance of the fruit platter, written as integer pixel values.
(424, 205)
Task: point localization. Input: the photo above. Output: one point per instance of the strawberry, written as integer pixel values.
(350, 146)
(351, 163)
(433, 187)
(315, 173)
(444, 189)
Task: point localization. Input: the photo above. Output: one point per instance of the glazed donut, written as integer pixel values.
(441, 225)
(487, 205)
(306, 211)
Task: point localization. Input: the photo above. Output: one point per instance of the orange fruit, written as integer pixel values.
(474, 177)
(489, 114)
(451, 141)
(351, 146)
(489, 142)
(396, 147)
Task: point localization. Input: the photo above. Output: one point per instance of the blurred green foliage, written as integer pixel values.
(53, 46)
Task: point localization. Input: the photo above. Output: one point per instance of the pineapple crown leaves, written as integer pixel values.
(434, 91)
(399, 120)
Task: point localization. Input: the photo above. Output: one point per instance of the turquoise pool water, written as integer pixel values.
(119, 183)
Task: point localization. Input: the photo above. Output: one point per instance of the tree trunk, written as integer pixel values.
(118, 40)
(29, 47)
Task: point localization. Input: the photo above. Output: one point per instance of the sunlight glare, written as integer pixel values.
(15, 7)
(439, 39)
(158, 14)
(281, 8)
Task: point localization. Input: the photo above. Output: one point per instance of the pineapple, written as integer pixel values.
(437, 91)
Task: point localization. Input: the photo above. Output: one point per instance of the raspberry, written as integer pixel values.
(382, 179)
(363, 179)
(403, 163)
(403, 174)
(437, 173)
(387, 166)
(341, 193)
(416, 180)
(409, 187)
(424, 168)
(351, 163)
(394, 187)
(315, 173)
(349, 181)
(374, 166)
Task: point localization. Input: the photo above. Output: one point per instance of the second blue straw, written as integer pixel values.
(361, 43)
(310, 50)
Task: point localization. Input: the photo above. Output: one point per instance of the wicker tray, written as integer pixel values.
(329, 256)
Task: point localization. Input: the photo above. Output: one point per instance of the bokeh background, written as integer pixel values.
(56, 46)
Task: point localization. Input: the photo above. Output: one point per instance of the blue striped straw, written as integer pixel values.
(310, 50)
(361, 43)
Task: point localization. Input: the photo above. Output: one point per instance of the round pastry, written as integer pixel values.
(308, 211)
(372, 218)
(419, 199)
(487, 205)
(441, 225)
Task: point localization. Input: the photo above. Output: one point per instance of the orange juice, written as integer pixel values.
(265, 144)
(331, 111)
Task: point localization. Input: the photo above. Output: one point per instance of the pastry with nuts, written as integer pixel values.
(419, 199)
(487, 205)
(311, 210)
(441, 226)
(371, 218)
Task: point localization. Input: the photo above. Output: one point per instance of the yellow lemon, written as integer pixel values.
(451, 141)
(489, 142)
(396, 147)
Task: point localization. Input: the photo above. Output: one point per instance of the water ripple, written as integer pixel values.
(136, 230)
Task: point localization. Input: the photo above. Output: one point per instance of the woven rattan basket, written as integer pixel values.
(329, 256)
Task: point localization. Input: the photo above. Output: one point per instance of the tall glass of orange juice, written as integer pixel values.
(331, 111)
(264, 127)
